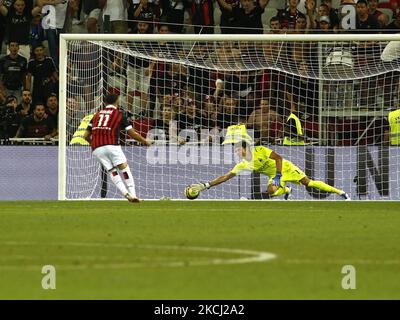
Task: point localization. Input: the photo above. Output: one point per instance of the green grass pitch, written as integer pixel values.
(199, 249)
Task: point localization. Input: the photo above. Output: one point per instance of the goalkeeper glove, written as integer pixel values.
(198, 187)
(276, 181)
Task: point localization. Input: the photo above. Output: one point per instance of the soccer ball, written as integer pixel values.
(190, 193)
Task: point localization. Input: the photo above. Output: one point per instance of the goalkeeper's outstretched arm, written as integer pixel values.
(202, 186)
(221, 179)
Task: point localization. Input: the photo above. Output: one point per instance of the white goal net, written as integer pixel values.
(323, 102)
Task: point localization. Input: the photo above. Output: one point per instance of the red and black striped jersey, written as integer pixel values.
(106, 126)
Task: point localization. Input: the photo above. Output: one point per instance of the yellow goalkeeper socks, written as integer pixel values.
(280, 191)
(323, 186)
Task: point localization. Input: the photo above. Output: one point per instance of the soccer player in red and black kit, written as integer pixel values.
(103, 135)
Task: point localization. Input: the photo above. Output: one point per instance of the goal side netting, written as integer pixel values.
(326, 103)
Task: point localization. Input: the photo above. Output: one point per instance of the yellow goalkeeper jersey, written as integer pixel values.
(262, 163)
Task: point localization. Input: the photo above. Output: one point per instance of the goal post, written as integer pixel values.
(341, 86)
(62, 175)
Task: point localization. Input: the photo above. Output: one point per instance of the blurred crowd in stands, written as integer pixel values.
(29, 59)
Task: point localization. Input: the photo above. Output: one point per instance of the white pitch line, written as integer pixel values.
(87, 258)
(342, 262)
(251, 256)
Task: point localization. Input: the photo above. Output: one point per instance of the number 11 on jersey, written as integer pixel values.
(103, 121)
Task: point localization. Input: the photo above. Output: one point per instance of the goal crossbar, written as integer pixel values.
(236, 37)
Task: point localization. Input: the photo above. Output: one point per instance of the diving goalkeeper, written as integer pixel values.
(265, 161)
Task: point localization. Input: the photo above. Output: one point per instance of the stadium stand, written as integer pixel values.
(78, 20)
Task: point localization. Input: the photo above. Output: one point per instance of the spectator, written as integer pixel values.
(12, 101)
(75, 110)
(25, 107)
(227, 21)
(177, 103)
(167, 123)
(365, 21)
(332, 13)
(393, 5)
(275, 25)
(18, 18)
(288, 16)
(85, 79)
(92, 9)
(144, 10)
(264, 121)
(3, 26)
(139, 73)
(247, 17)
(116, 10)
(394, 26)
(37, 34)
(171, 105)
(53, 31)
(272, 49)
(190, 119)
(75, 14)
(303, 88)
(164, 48)
(171, 50)
(219, 90)
(269, 83)
(163, 28)
(226, 55)
(373, 9)
(324, 25)
(37, 125)
(173, 12)
(3, 97)
(208, 105)
(301, 25)
(13, 68)
(250, 54)
(45, 75)
(323, 10)
(202, 16)
(303, 52)
(310, 6)
(173, 80)
(228, 113)
(209, 116)
(9, 118)
(52, 109)
(241, 87)
(383, 20)
(199, 78)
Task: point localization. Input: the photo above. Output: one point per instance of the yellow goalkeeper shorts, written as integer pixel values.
(290, 174)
